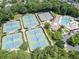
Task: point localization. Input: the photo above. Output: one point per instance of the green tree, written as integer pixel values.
(60, 43)
(19, 8)
(11, 55)
(13, 1)
(5, 15)
(64, 8)
(46, 25)
(23, 55)
(57, 35)
(74, 40)
(73, 54)
(36, 54)
(24, 46)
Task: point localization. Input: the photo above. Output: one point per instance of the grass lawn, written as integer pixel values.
(53, 14)
(66, 30)
(17, 17)
(0, 32)
(0, 35)
(49, 33)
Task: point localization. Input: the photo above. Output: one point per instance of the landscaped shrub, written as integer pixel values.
(57, 35)
(60, 44)
(74, 40)
(46, 25)
(24, 46)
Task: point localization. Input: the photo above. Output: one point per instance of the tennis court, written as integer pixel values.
(30, 21)
(11, 26)
(12, 41)
(36, 39)
(45, 16)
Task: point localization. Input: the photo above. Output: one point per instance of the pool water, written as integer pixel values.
(65, 21)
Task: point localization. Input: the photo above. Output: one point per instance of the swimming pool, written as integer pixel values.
(29, 21)
(36, 38)
(11, 26)
(65, 21)
(12, 41)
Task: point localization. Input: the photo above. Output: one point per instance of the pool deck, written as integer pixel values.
(71, 25)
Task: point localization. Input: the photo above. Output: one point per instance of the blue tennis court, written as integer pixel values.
(11, 26)
(36, 39)
(30, 21)
(12, 41)
(45, 16)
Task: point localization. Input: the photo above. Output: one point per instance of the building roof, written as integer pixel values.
(55, 24)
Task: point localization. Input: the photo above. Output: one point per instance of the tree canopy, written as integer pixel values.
(74, 40)
(23, 7)
(46, 25)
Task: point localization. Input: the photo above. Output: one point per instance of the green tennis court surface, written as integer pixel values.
(36, 39)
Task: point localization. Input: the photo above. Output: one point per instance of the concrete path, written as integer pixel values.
(23, 30)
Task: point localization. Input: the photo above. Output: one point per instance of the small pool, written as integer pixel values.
(65, 21)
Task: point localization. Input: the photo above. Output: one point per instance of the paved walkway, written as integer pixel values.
(42, 25)
(23, 30)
